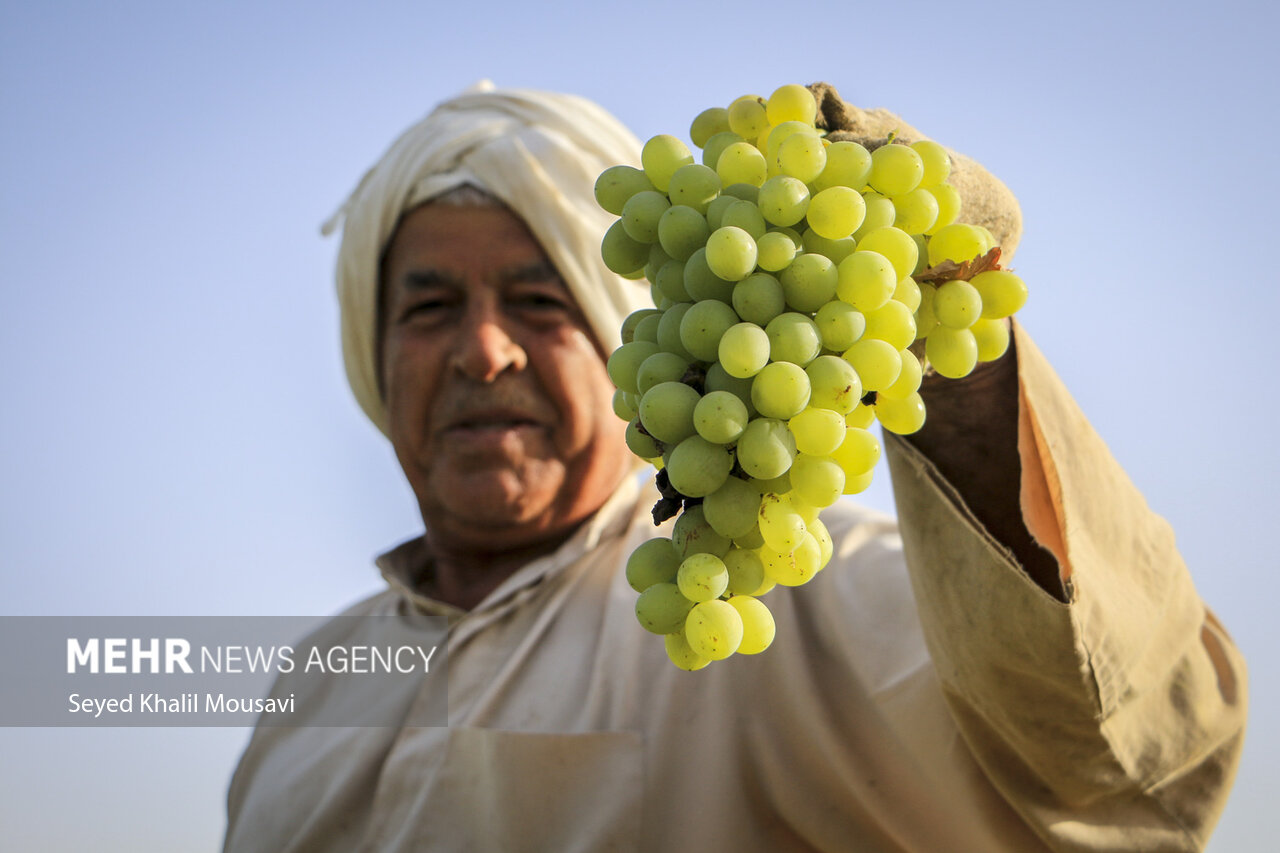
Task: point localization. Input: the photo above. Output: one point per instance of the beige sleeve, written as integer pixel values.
(1111, 722)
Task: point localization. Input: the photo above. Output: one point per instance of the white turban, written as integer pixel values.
(540, 152)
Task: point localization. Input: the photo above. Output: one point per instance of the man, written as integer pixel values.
(1036, 674)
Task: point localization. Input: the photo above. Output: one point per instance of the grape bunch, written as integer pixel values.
(802, 288)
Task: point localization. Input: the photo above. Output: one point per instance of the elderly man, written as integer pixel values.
(1025, 666)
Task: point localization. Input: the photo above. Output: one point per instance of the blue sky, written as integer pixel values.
(177, 435)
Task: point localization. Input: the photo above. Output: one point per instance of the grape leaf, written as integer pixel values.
(951, 271)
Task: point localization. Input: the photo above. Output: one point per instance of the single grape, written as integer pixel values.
(660, 367)
(701, 283)
(836, 212)
(731, 253)
(720, 417)
(681, 231)
(697, 467)
(622, 253)
(747, 116)
(717, 145)
(833, 384)
(992, 337)
(834, 250)
(641, 443)
(952, 352)
(691, 534)
(666, 411)
(617, 184)
(877, 362)
(702, 577)
(745, 215)
(957, 304)
(809, 282)
(742, 163)
(903, 416)
(744, 350)
(652, 562)
(892, 322)
(780, 390)
(662, 609)
(670, 281)
(948, 198)
(780, 525)
(746, 570)
(916, 211)
(791, 102)
(795, 567)
(936, 161)
(866, 280)
(669, 331)
(758, 627)
(681, 654)
(802, 156)
(766, 448)
(783, 200)
(908, 381)
(793, 337)
(713, 629)
(708, 123)
(839, 325)
(641, 213)
(848, 165)
(895, 169)
(625, 405)
(731, 510)
(624, 364)
(896, 245)
(818, 432)
(702, 327)
(694, 185)
(957, 243)
(817, 480)
(759, 298)
(858, 453)
(1002, 293)
(661, 156)
(774, 251)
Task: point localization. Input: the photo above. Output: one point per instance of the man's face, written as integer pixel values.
(498, 401)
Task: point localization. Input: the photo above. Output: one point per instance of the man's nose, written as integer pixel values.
(486, 347)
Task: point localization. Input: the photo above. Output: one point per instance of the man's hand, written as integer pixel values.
(971, 435)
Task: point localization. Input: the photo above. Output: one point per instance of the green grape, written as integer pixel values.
(866, 280)
(783, 200)
(916, 211)
(908, 381)
(681, 231)
(957, 304)
(836, 212)
(892, 322)
(713, 629)
(657, 259)
(807, 511)
(908, 293)
(702, 577)
(774, 251)
(632, 320)
(992, 337)
(660, 367)
(681, 654)
(834, 250)
(698, 467)
(878, 363)
(759, 298)
(743, 192)
(896, 245)
(746, 571)
(839, 325)
(670, 281)
(802, 156)
(666, 411)
(661, 156)
(952, 352)
(701, 283)
(662, 609)
(791, 102)
(926, 321)
(795, 567)
(692, 535)
(747, 116)
(716, 146)
(641, 213)
(641, 443)
(772, 139)
(708, 123)
(653, 562)
(758, 627)
(1002, 293)
(669, 331)
(833, 384)
(780, 390)
(718, 380)
(624, 405)
(751, 541)
(903, 416)
(744, 350)
(817, 480)
(766, 448)
(936, 161)
(809, 282)
(855, 485)
(793, 337)
(702, 327)
(848, 165)
(826, 548)
(720, 417)
(880, 213)
(617, 184)
(858, 453)
(622, 253)
(745, 215)
(624, 364)
(957, 243)
(948, 198)
(818, 432)
(694, 185)
(860, 417)
(742, 163)
(780, 525)
(895, 169)
(731, 253)
(731, 510)
(715, 210)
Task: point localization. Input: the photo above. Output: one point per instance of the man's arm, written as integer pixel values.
(971, 436)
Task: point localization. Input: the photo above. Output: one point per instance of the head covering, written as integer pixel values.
(540, 153)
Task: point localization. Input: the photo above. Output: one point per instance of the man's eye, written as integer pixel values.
(424, 308)
(540, 302)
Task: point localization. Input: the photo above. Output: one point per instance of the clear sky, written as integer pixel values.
(177, 435)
